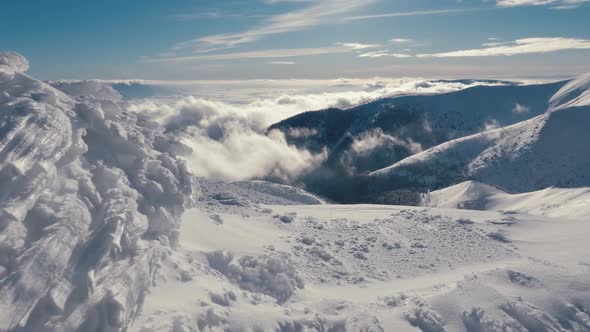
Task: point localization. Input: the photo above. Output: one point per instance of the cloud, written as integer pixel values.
(243, 154)
(556, 4)
(369, 141)
(280, 63)
(519, 46)
(207, 15)
(301, 132)
(318, 13)
(491, 125)
(262, 54)
(357, 46)
(400, 40)
(383, 53)
(520, 108)
(230, 140)
(415, 13)
(370, 149)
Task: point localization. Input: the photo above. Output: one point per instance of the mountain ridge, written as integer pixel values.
(547, 150)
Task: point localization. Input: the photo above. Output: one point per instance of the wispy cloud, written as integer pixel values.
(519, 46)
(357, 46)
(319, 12)
(555, 4)
(262, 54)
(383, 53)
(280, 63)
(415, 13)
(401, 40)
(210, 15)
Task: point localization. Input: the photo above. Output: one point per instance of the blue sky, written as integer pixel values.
(239, 39)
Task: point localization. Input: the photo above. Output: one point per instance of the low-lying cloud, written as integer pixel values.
(230, 140)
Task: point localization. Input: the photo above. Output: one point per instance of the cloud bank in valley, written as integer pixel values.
(228, 142)
(230, 139)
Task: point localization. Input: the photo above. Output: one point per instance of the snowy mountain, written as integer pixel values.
(548, 150)
(103, 227)
(376, 135)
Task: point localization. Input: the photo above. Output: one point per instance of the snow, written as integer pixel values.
(103, 227)
(547, 150)
(554, 202)
(575, 93)
(87, 206)
(13, 62)
(518, 264)
(87, 89)
(445, 275)
(381, 133)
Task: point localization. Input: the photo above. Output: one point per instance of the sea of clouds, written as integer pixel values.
(226, 122)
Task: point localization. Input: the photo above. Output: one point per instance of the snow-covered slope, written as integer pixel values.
(548, 150)
(554, 202)
(90, 199)
(371, 268)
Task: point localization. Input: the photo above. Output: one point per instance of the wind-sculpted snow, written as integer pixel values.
(13, 62)
(90, 197)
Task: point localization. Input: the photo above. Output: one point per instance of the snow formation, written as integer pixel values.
(90, 200)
